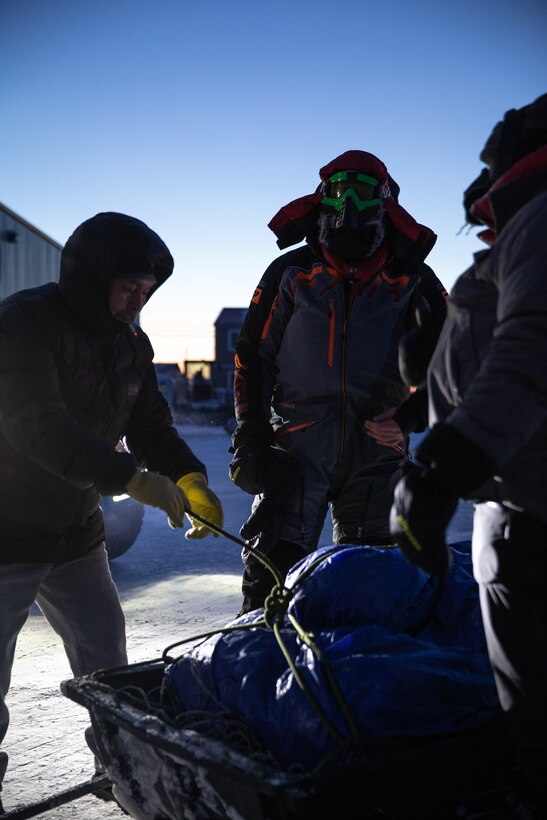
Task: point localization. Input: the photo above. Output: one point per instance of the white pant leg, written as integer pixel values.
(80, 601)
(19, 584)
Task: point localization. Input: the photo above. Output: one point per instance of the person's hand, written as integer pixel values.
(159, 491)
(419, 516)
(266, 521)
(249, 466)
(385, 430)
(448, 466)
(204, 502)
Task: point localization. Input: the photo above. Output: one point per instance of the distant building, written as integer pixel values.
(198, 377)
(28, 257)
(172, 383)
(227, 328)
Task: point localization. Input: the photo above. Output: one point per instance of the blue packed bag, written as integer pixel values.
(456, 619)
(395, 685)
(379, 586)
(362, 605)
(224, 671)
(355, 585)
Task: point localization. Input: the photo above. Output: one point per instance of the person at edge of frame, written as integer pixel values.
(317, 359)
(487, 384)
(76, 375)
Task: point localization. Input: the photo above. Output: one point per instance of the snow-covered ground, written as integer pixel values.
(170, 588)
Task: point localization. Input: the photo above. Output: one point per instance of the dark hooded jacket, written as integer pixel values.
(488, 375)
(314, 338)
(73, 381)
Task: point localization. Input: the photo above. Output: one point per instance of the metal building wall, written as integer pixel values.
(27, 256)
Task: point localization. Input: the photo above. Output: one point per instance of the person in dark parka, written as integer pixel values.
(487, 386)
(76, 376)
(317, 360)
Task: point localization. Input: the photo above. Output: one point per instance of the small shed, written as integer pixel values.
(28, 257)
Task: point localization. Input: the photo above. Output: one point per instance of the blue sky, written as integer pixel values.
(204, 117)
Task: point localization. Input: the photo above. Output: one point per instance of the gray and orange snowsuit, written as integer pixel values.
(317, 355)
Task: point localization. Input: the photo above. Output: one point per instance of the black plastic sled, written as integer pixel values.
(162, 770)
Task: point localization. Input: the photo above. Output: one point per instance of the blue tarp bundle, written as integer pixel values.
(407, 652)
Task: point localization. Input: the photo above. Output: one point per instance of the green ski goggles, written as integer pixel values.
(360, 188)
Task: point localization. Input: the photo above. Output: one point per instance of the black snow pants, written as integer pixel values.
(354, 479)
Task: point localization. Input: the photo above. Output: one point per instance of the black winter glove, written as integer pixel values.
(254, 456)
(249, 467)
(281, 482)
(419, 516)
(254, 451)
(426, 496)
(266, 521)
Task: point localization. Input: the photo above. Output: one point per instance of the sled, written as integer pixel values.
(163, 771)
(53, 801)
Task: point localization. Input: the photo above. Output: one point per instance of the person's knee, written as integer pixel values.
(508, 548)
(259, 580)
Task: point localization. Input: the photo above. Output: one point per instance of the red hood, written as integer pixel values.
(356, 161)
(298, 219)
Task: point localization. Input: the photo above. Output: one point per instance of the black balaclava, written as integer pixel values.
(375, 230)
(350, 234)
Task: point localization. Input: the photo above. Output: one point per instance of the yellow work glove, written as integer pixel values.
(159, 491)
(203, 501)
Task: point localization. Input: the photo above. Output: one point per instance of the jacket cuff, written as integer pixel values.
(250, 436)
(114, 479)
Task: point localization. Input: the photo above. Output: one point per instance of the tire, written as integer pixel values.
(122, 521)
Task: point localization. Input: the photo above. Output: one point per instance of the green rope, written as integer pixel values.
(248, 545)
(305, 688)
(307, 639)
(275, 610)
(315, 563)
(276, 605)
(166, 658)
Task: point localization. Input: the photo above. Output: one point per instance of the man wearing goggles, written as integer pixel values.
(317, 359)
(360, 188)
(352, 214)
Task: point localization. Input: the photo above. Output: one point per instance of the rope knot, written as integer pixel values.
(276, 605)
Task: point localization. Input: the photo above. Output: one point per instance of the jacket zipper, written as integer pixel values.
(301, 509)
(343, 366)
(268, 322)
(332, 328)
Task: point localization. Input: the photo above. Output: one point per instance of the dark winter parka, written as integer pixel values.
(488, 376)
(73, 381)
(313, 338)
